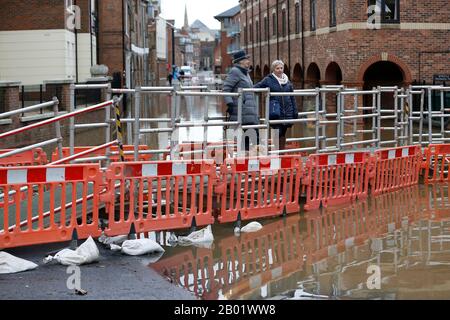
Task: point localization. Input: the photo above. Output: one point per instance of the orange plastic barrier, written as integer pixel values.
(259, 187)
(437, 163)
(256, 259)
(58, 200)
(33, 157)
(334, 179)
(159, 195)
(396, 168)
(100, 153)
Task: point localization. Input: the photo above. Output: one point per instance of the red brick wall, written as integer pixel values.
(31, 15)
(110, 35)
(353, 50)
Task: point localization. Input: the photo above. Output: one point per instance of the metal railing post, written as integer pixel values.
(323, 115)
(396, 116)
(267, 120)
(430, 114)
(379, 117)
(205, 128)
(355, 121)
(136, 127)
(339, 121)
(317, 140)
(72, 120)
(410, 116)
(108, 122)
(442, 116)
(422, 105)
(239, 120)
(175, 100)
(374, 120)
(58, 128)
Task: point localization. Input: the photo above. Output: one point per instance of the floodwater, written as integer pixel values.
(393, 246)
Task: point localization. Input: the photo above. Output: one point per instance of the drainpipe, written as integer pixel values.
(76, 50)
(268, 35)
(260, 38)
(303, 45)
(90, 33)
(278, 37)
(289, 33)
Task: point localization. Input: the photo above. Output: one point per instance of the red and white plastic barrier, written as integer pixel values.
(396, 168)
(157, 195)
(259, 187)
(46, 204)
(334, 179)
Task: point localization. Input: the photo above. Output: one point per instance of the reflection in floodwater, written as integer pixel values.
(327, 253)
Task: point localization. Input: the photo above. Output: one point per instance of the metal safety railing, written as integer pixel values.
(431, 114)
(58, 137)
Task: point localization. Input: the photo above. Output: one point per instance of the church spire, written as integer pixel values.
(186, 21)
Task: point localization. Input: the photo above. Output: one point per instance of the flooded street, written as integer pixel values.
(329, 254)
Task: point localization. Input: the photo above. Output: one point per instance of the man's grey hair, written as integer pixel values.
(275, 64)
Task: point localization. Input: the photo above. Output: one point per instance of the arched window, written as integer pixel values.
(313, 15)
(274, 24)
(297, 17)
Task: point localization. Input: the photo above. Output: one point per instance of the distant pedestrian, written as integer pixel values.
(281, 108)
(237, 78)
(181, 76)
(170, 78)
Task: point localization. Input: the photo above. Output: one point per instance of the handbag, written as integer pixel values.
(274, 110)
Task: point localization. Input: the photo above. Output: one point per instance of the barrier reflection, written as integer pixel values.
(324, 252)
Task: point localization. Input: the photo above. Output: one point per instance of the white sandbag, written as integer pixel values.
(140, 247)
(115, 247)
(252, 227)
(198, 237)
(86, 253)
(118, 240)
(301, 294)
(11, 264)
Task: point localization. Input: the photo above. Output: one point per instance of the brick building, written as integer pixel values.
(60, 40)
(47, 40)
(230, 41)
(355, 43)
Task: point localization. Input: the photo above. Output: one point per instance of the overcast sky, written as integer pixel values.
(203, 10)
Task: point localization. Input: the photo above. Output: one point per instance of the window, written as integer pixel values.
(245, 34)
(389, 10)
(266, 28)
(332, 13)
(274, 24)
(297, 17)
(257, 31)
(250, 30)
(313, 15)
(284, 22)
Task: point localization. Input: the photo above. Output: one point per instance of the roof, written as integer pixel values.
(229, 13)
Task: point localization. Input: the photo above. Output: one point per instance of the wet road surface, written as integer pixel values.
(328, 253)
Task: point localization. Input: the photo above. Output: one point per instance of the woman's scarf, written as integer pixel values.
(283, 80)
